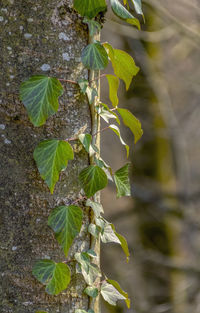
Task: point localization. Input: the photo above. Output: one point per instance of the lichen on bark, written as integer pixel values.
(38, 37)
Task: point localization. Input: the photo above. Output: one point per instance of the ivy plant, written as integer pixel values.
(40, 95)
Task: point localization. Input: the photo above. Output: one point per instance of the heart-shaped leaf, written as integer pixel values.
(94, 56)
(110, 293)
(122, 292)
(66, 221)
(89, 8)
(56, 276)
(52, 157)
(89, 270)
(92, 179)
(40, 95)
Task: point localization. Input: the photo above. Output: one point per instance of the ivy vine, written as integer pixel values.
(40, 96)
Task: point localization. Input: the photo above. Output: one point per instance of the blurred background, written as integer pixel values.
(162, 219)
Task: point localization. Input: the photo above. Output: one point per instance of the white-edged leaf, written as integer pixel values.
(123, 13)
(91, 291)
(122, 292)
(90, 271)
(96, 207)
(117, 132)
(110, 293)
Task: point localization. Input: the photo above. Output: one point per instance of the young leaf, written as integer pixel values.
(94, 27)
(89, 270)
(66, 221)
(92, 179)
(83, 84)
(123, 243)
(108, 235)
(110, 293)
(96, 207)
(91, 94)
(52, 157)
(56, 276)
(40, 95)
(89, 8)
(122, 292)
(91, 291)
(123, 64)
(123, 13)
(41, 312)
(86, 140)
(104, 111)
(91, 253)
(132, 123)
(122, 182)
(113, 82)
(117, 132)
(94, 56)
(94, 230)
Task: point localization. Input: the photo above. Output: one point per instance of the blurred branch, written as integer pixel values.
(190, 32)
(157, 36)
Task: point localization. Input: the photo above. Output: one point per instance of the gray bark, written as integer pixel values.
(37, 37)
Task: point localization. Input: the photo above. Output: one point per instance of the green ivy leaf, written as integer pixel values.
(104, 111)
(94, 56)
(40, 95)
(117, 132)
(123, 243)
(89, 270)
(94, 26)
(132, 123)
(120, 11)
(96, 207)
(113, 82)
(122, 182)
(91, 291)
(52, 157)
(123, 64)
(66, 221)
(89, 8)
(92, 179)
(56, 276)
(41, 312)
(122, 292)
(110, 293)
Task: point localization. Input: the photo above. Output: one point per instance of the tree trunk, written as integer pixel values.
(38, 37)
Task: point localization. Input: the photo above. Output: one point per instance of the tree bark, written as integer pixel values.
(38, 37)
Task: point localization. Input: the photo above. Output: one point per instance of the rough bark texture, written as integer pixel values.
(44, 36)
